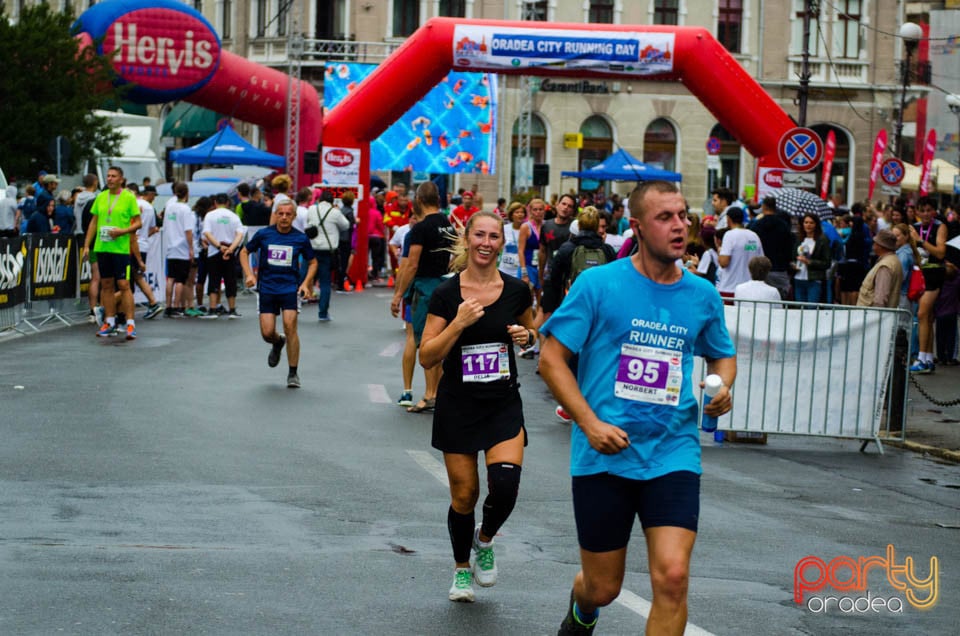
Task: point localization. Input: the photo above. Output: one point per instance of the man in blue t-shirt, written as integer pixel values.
(636, 324)
(279, 248)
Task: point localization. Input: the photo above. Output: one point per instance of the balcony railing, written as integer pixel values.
(273, 51)
(844, 71)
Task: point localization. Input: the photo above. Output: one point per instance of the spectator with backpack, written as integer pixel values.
(583, 251)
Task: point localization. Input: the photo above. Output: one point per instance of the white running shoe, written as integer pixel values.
(482, 561)
(462, 588)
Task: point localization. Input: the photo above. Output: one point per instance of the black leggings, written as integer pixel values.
(218, 269)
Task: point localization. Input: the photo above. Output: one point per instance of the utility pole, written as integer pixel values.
(804, 91)
(524, 179)
(292, 130)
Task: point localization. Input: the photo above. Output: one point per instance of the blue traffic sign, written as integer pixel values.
(892, 171)
(800, 149)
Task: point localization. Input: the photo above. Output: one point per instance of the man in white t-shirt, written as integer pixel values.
(737, 247)
(144, 243)
(178, 223)
(757, 289)
(224, 232)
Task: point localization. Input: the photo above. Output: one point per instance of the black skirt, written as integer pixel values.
(470, 423)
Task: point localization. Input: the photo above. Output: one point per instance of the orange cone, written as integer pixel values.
(390, 281)
(359, 286)
(347, 286)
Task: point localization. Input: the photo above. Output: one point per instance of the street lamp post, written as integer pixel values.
(910, 33)
(953, 103)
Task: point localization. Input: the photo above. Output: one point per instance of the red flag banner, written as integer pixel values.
(878, 147)
(928, 151)
(829, 151)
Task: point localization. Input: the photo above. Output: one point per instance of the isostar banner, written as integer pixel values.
(452, 129)
(878, 147)
(86, 274)
(13, 256)
(487, 47)
(53, 265)
(829, 151)
(929, 150)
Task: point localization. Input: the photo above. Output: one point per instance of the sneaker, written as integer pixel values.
(210, 315)
(406, 399)
(482, 561)
(92, 318)
(324, 318)
(528, 353)
(190, 312)
(106, 330)
(563, 415)
(233, 315)
(153, 311)
(922, 368)
(221, 310)
(202, 309)
(462, 588)
(573, 627)
(101, 314)
(274, 358)
(293, 381)
(131, 332)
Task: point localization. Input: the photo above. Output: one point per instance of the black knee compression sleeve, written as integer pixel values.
(460, 528)
(503, 484)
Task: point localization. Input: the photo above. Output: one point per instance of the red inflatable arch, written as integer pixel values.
(690, 55)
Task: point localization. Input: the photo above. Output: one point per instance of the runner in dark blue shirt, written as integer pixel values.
(279, 248)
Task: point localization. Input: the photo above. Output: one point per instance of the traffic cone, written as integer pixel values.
(390, 281)
(347, 286)
(358, 287)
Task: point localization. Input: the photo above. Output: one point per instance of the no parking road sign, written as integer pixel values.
(892, 171)
(800, 149)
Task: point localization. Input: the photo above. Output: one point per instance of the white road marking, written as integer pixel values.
(430, 464)
(642, 606)
(378, 394)
(392, 350)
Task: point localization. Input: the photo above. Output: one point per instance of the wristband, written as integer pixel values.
(530, 337)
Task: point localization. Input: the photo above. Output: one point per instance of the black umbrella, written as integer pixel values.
(799, 202)
(377, 182)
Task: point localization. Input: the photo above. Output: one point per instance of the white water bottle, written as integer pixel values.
(711, 386)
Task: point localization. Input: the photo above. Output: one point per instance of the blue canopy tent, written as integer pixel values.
(622, 166)
(226, 147)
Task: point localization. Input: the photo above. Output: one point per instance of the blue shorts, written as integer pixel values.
(275, 303)
(605, 505)
(113, 265)
(533, 274)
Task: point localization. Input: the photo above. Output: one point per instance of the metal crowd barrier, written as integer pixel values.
(818, 370)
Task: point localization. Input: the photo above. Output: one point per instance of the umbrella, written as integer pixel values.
(377, 182)
(799, 202)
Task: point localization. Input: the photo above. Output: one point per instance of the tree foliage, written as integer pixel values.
(50, 88)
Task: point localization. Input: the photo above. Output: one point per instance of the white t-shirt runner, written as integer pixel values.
(224, 225)
(148, 221)
(177, 219)
(740, 245)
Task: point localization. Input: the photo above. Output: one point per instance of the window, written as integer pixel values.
(198, 5)
(729, 174)
(597, 146)
(535, 10)
(538, 149)
(660, 145)
(601, 11)
(261, 21)
(728, 24)
(406, 17)
(665, 12)
(226, 24)
(796, 40)
(283, 14)
(453, 8)
(846, 30)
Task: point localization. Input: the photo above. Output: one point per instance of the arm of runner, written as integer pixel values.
(237, 240)
(135, 251)
(306, 288)
(721, 403)
(524, 333)
(555, 371)
(404, 277)
(248, 278)
(938, 246)
(135, 224)
(439, 336)
(188, 234)
(521, 247)
(542, 258)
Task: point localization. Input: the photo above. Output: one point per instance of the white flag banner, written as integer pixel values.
(156, 273)
(954, 242)
(817, 371)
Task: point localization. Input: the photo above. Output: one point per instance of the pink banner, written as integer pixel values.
(829, 151)
(928, 152)
(878, 147)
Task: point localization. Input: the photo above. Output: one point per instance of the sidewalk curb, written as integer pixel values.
(942, 453)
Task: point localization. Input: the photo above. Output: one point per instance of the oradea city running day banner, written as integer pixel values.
(622, 53)
(13, 255)
(452, 129)
(53, 267)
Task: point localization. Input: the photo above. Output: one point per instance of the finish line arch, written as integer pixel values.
(690, 55)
